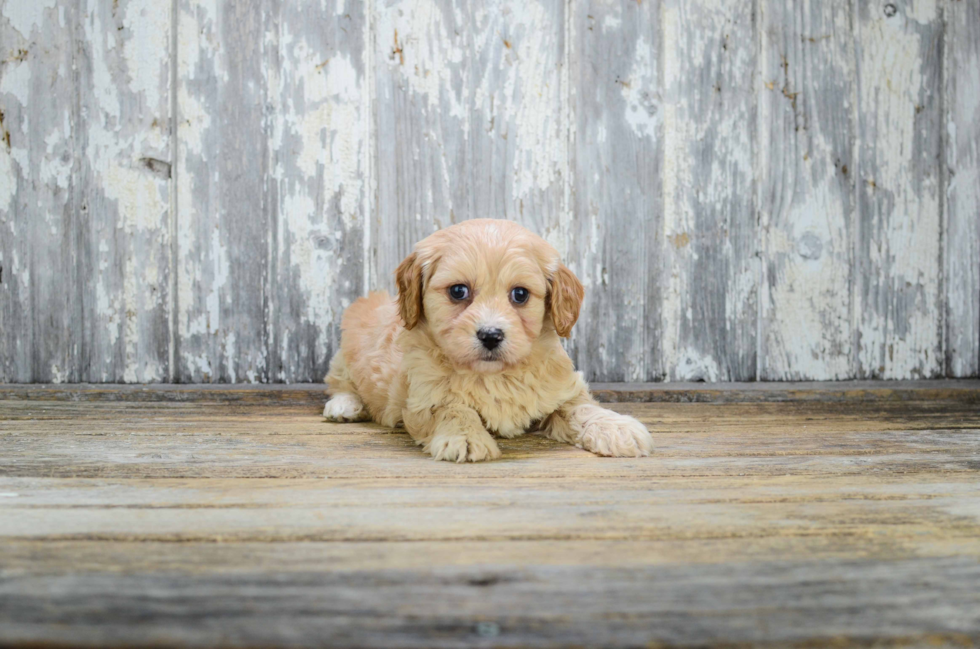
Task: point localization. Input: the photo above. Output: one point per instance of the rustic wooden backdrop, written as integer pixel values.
(766, 189)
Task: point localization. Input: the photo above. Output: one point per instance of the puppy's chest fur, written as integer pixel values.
(509, 402)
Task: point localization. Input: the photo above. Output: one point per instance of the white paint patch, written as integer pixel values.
(16, 81)
(423, 48)
(56, 165)
(641, 92)
(26, 15)
(149, 24)
(142, 199)
(540, 145)
(8, 180)
(693, 366)
(921, 11)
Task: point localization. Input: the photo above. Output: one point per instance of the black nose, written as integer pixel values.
(490, 337)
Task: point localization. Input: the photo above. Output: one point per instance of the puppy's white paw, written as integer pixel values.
(345, 406)
(609, 433)
(463, 446)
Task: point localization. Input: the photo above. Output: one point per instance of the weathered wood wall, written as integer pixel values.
(194, 190)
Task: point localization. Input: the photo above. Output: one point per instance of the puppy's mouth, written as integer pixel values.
(494, 356)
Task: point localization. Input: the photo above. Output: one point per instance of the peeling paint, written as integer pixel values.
(148, 22)
(26, 16)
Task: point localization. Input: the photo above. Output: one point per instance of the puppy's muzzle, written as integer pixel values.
(491, 337)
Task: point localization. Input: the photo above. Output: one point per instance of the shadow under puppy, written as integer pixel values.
(471, 348)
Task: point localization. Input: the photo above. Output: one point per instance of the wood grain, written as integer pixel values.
(321, 154)
(617, 203)
(223, 192)
(711, 275)
(897, 292)
(754, 524)
(962, 145)
(123, 187)
(40, 311)
(806, 130)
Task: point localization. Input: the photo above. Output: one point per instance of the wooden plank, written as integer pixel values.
(616, 175)
(897, 295)
(313, 395)
(229, 441)
(806, 130)
(928, 508)
(51, 557)
(710, 250)
(469, 120)
(925, 602)
(322, 160)
(123, 189)
(962, 236)
(223, 195)
(39, 309)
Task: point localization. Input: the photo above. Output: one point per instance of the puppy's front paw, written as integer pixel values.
(345, 406)
(463, 446)
(609, 433)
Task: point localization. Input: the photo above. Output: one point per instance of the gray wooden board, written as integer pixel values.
(322, 154)
(617, 155)
(223, 192)
(710, 272)
(806, 128)
(962, 235)
(123, 190)
(40, 308)
(849, 603)
(897, 288)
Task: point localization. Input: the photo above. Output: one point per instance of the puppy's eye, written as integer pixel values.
(459, 292)
(520, 295)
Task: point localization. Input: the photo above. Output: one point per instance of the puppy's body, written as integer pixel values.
(455, 370)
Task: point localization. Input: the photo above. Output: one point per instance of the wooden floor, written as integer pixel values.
(843, 515)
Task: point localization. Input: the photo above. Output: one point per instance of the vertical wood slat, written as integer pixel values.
(321, 147)
(961, 124)
(616, 175)
(806, 129)
(897, 292)
(468, 107)
(39, 305)
(710, 258)
(123, 185)
(223, 187)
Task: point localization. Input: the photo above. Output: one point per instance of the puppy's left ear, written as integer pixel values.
(565, 300)
(409, 279)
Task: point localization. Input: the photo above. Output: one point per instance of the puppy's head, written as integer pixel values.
(486, 291)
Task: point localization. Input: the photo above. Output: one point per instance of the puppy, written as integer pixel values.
(470, 349)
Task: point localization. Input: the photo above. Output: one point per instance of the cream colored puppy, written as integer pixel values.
(470, 349)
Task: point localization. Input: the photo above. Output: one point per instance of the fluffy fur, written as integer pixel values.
(416, 359)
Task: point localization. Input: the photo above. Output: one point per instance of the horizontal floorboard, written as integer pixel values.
(967, 390)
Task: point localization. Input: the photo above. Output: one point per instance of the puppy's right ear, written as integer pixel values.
(409, 279)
